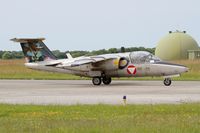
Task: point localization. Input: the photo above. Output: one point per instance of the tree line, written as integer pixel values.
(62, 55)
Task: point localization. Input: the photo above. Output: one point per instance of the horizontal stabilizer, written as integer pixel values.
(26, 40)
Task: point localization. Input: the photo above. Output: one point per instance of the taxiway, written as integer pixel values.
(68, 92)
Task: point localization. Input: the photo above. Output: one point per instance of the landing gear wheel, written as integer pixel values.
(107, 80)
(96, 81)
(167, 82)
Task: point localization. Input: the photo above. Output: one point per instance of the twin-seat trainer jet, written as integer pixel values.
(101, 68)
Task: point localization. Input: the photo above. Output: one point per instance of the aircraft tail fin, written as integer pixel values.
(35, 50)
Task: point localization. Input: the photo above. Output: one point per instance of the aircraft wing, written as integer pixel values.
(88, 60)
(82, 62)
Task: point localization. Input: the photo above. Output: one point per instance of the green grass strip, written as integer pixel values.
(180, 118)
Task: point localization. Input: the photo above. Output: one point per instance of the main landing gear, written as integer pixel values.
(98, 80)
(167, 82)
(107, 81)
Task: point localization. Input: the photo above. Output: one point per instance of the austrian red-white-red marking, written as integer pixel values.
(131, 69)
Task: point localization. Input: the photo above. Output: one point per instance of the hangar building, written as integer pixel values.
(177, 45)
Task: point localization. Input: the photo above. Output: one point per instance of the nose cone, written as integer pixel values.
(186, 69)
(183, 69)
(177, 69)
(171, 68)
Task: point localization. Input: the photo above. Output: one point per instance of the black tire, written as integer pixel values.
(107, 80)
(96, 81)
(167, 82)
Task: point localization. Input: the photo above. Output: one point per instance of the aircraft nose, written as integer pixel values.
(186, 69)
(183, 69)
(175, 68)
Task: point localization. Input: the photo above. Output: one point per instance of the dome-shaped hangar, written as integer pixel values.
(175, 46)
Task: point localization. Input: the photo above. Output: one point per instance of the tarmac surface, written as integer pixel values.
(67, 92)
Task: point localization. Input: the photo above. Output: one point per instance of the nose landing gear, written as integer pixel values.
(167, 82)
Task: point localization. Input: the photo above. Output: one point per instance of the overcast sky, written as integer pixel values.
(96, 24)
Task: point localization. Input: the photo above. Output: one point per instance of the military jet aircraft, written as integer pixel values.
(101, 68)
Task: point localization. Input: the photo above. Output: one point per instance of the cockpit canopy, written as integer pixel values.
(141, 57)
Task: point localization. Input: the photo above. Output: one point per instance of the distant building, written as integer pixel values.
(177, 45)
(193, 54)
